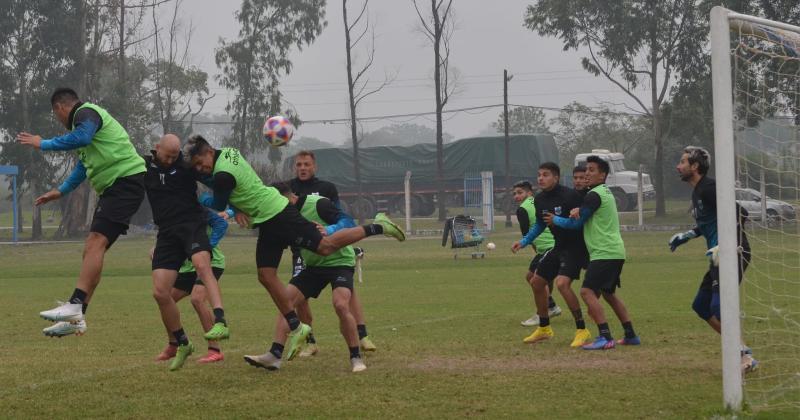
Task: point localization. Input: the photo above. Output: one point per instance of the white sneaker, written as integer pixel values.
(309, 350)
(266, 361)
(64, 312)
(554, 311)
(357, 364)
(64, 328)
(531, 322)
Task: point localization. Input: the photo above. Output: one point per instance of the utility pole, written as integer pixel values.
(506, 78)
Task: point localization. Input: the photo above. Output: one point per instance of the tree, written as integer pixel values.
(523, 119)
(631, 43)
(438, 29)
(252, 64)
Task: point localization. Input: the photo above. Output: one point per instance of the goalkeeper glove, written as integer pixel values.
(679, 239)
(713, 255)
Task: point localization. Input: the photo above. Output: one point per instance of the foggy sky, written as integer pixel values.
(486, 41)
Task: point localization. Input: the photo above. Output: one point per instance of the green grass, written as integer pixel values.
(448, 333)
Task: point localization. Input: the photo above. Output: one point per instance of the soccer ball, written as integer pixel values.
(490, 246)
(278, 130)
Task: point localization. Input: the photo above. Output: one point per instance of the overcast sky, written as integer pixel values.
(486, 41)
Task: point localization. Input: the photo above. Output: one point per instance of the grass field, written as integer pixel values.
(450, 343)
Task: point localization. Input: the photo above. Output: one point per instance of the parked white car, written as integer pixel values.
(777, 210)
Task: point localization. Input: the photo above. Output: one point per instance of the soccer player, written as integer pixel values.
(115, 171)
(305, 183)
(599, 219)
(579, 179)
(523, 195)
(335, 269)
(181, 220)
(279, 224)
(563, 262)
(189, 284)
(693, 169)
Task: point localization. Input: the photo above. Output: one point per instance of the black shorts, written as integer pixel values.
(711, 278)
(118, 203)
(187, 281)
(535, 261)
(312, 280)
(287, 228)
(176, 243)
(603, 275)
(557, 262)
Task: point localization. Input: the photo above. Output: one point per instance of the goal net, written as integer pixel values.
(758, 164)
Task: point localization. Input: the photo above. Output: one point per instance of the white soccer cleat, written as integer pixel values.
(531, 322)
(357, 364)
(309, 350)
(554, 311)
(65, 328)
(266, 361)
(64, 312)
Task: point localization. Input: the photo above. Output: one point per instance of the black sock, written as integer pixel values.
(355, 352)
(373, 229)
(579, 322)
(544, 321)
(628, 327)
(362, 331)
(78, 296)
(310, 339)
(276, 350)
(173, 343)
(604, 331)
(180, 337)
(292, 320)
(219, 316)
(550, 302)
(83, 308)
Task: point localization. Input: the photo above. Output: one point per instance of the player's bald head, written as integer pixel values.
(168, 149)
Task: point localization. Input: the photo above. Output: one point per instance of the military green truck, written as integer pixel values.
(383, 171)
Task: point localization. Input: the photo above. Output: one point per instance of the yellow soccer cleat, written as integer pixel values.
(581, 337)
(366, 344)
(540, 334)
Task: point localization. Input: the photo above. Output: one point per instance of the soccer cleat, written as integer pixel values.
(389, 227)
(367, 344)
(65, 311)
(749, 364)
(554, 311)
(357, 364)
(266, 361)
(634, 341)
(309, 350)
(64, 328)
(219, 331)
(296, 340)
(599, 343)
(168, 353)
(531, 322)
(184, 351)
(581, 337)
(211, 357)
(540, 334)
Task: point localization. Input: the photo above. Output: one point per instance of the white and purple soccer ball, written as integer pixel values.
(278, 131)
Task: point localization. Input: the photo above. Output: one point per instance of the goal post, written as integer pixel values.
(755, 66)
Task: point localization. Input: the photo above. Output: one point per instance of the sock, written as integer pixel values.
(292, 320)
(214, 349)
(83, 308)
(544, 321)
(550, 302)
(628, 327)
(362, 331)
(580, 324)
(310, 339)
(276, 350)
(373, 229)
(78, 296)
(604, 331)
(180, 337)
(355, 352)
(219, 316)
(173, 343)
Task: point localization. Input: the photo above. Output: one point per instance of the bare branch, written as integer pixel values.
(425, 26)
(614, 81)
(360, 14)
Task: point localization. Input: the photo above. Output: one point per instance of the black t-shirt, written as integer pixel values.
(325, 208)
(704, 211)
(172, 193)
(524, 221)
(315, 186)
(559, 201)
(78, 116)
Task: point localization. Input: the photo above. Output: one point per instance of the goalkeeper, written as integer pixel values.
(693, 169)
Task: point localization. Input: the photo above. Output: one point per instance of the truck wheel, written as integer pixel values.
(426, 207)
(363, 207)
(621, 199)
